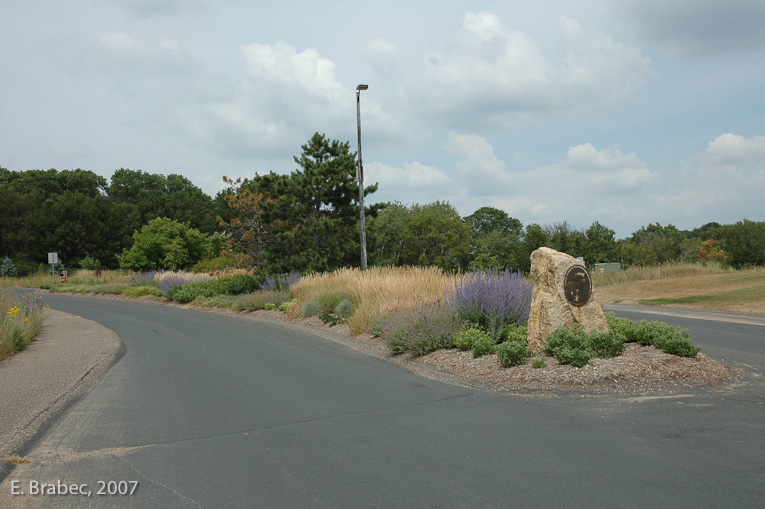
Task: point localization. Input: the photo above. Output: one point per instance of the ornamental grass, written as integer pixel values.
(374, 293)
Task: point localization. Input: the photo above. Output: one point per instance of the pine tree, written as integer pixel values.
(7, 268)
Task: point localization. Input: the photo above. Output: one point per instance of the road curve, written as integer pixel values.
(205, 410)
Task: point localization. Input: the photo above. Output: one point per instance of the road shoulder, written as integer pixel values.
(65, 361)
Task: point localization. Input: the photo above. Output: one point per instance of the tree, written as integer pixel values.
(494, 239)
(743, 242)
(533, 238)
(307, 221)
(152, 196)
(7, 268)
(664, 241)
(600, 245)
(164, 244)
(432, 234)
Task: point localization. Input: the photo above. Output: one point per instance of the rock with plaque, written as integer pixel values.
(563, 295)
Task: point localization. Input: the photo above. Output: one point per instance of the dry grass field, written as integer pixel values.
(727, 290)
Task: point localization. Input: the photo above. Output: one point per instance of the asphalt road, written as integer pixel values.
(206, 411)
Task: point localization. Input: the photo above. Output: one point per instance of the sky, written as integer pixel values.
(623, 112)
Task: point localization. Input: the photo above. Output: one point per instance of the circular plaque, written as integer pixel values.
(577, 285)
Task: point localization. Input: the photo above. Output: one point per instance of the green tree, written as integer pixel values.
(600, 245)
(534, 237)
(164, 244)
(432, 234)
(152, 196)
(494, 239)
(7, 268)
(664, 241)
(743, 242)
(307, 221)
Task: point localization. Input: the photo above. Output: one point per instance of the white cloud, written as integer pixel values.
(498, 77)
(605, 185)
(411, 175)
(726, 181)
(479, 169)
(284, 97)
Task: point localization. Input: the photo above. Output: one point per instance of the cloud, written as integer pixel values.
(165, 8)
(726, 181)
(497, 77)
(410, 175)
(132, 64)
(284, 97)
(479, 169)
(698, 28)
(591, 184)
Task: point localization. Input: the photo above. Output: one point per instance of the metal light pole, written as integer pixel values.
(360, 177)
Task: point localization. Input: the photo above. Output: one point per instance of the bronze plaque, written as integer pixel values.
(577, 285)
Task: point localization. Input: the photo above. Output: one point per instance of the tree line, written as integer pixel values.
(307, 221)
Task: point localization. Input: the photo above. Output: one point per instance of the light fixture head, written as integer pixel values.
(362, 87)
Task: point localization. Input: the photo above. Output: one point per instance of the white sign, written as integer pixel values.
(53, 258)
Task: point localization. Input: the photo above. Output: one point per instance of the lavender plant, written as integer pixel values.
(146, 278)
(419, 331)
(492, 300)
(168, 285)
(280, 282)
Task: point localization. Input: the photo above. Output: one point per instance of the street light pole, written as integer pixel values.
(360, 177)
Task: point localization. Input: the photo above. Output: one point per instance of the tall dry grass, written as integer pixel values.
(75, 277)
(655, 272)
(376, 292)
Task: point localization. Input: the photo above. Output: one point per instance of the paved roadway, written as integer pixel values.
(210, 411)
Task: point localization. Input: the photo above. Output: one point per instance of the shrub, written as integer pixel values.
(284, 305)
(419, 331)
(512, 353)
(227, 285)
(492, 300)
(164, 243)
(576, 347)
(672, 340)
(538, 364)
(257, 300)
(517, 333)
(465, 338)
(311, 308)
(140, 291)
(483, 345)
(330, 318)
(214, 265)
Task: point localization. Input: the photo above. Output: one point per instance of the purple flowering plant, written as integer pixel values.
(492, 299)
(420, 330)
(280, 282)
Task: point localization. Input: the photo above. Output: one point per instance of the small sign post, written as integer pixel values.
(53, 260)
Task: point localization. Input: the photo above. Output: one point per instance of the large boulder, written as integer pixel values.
(563, 295)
